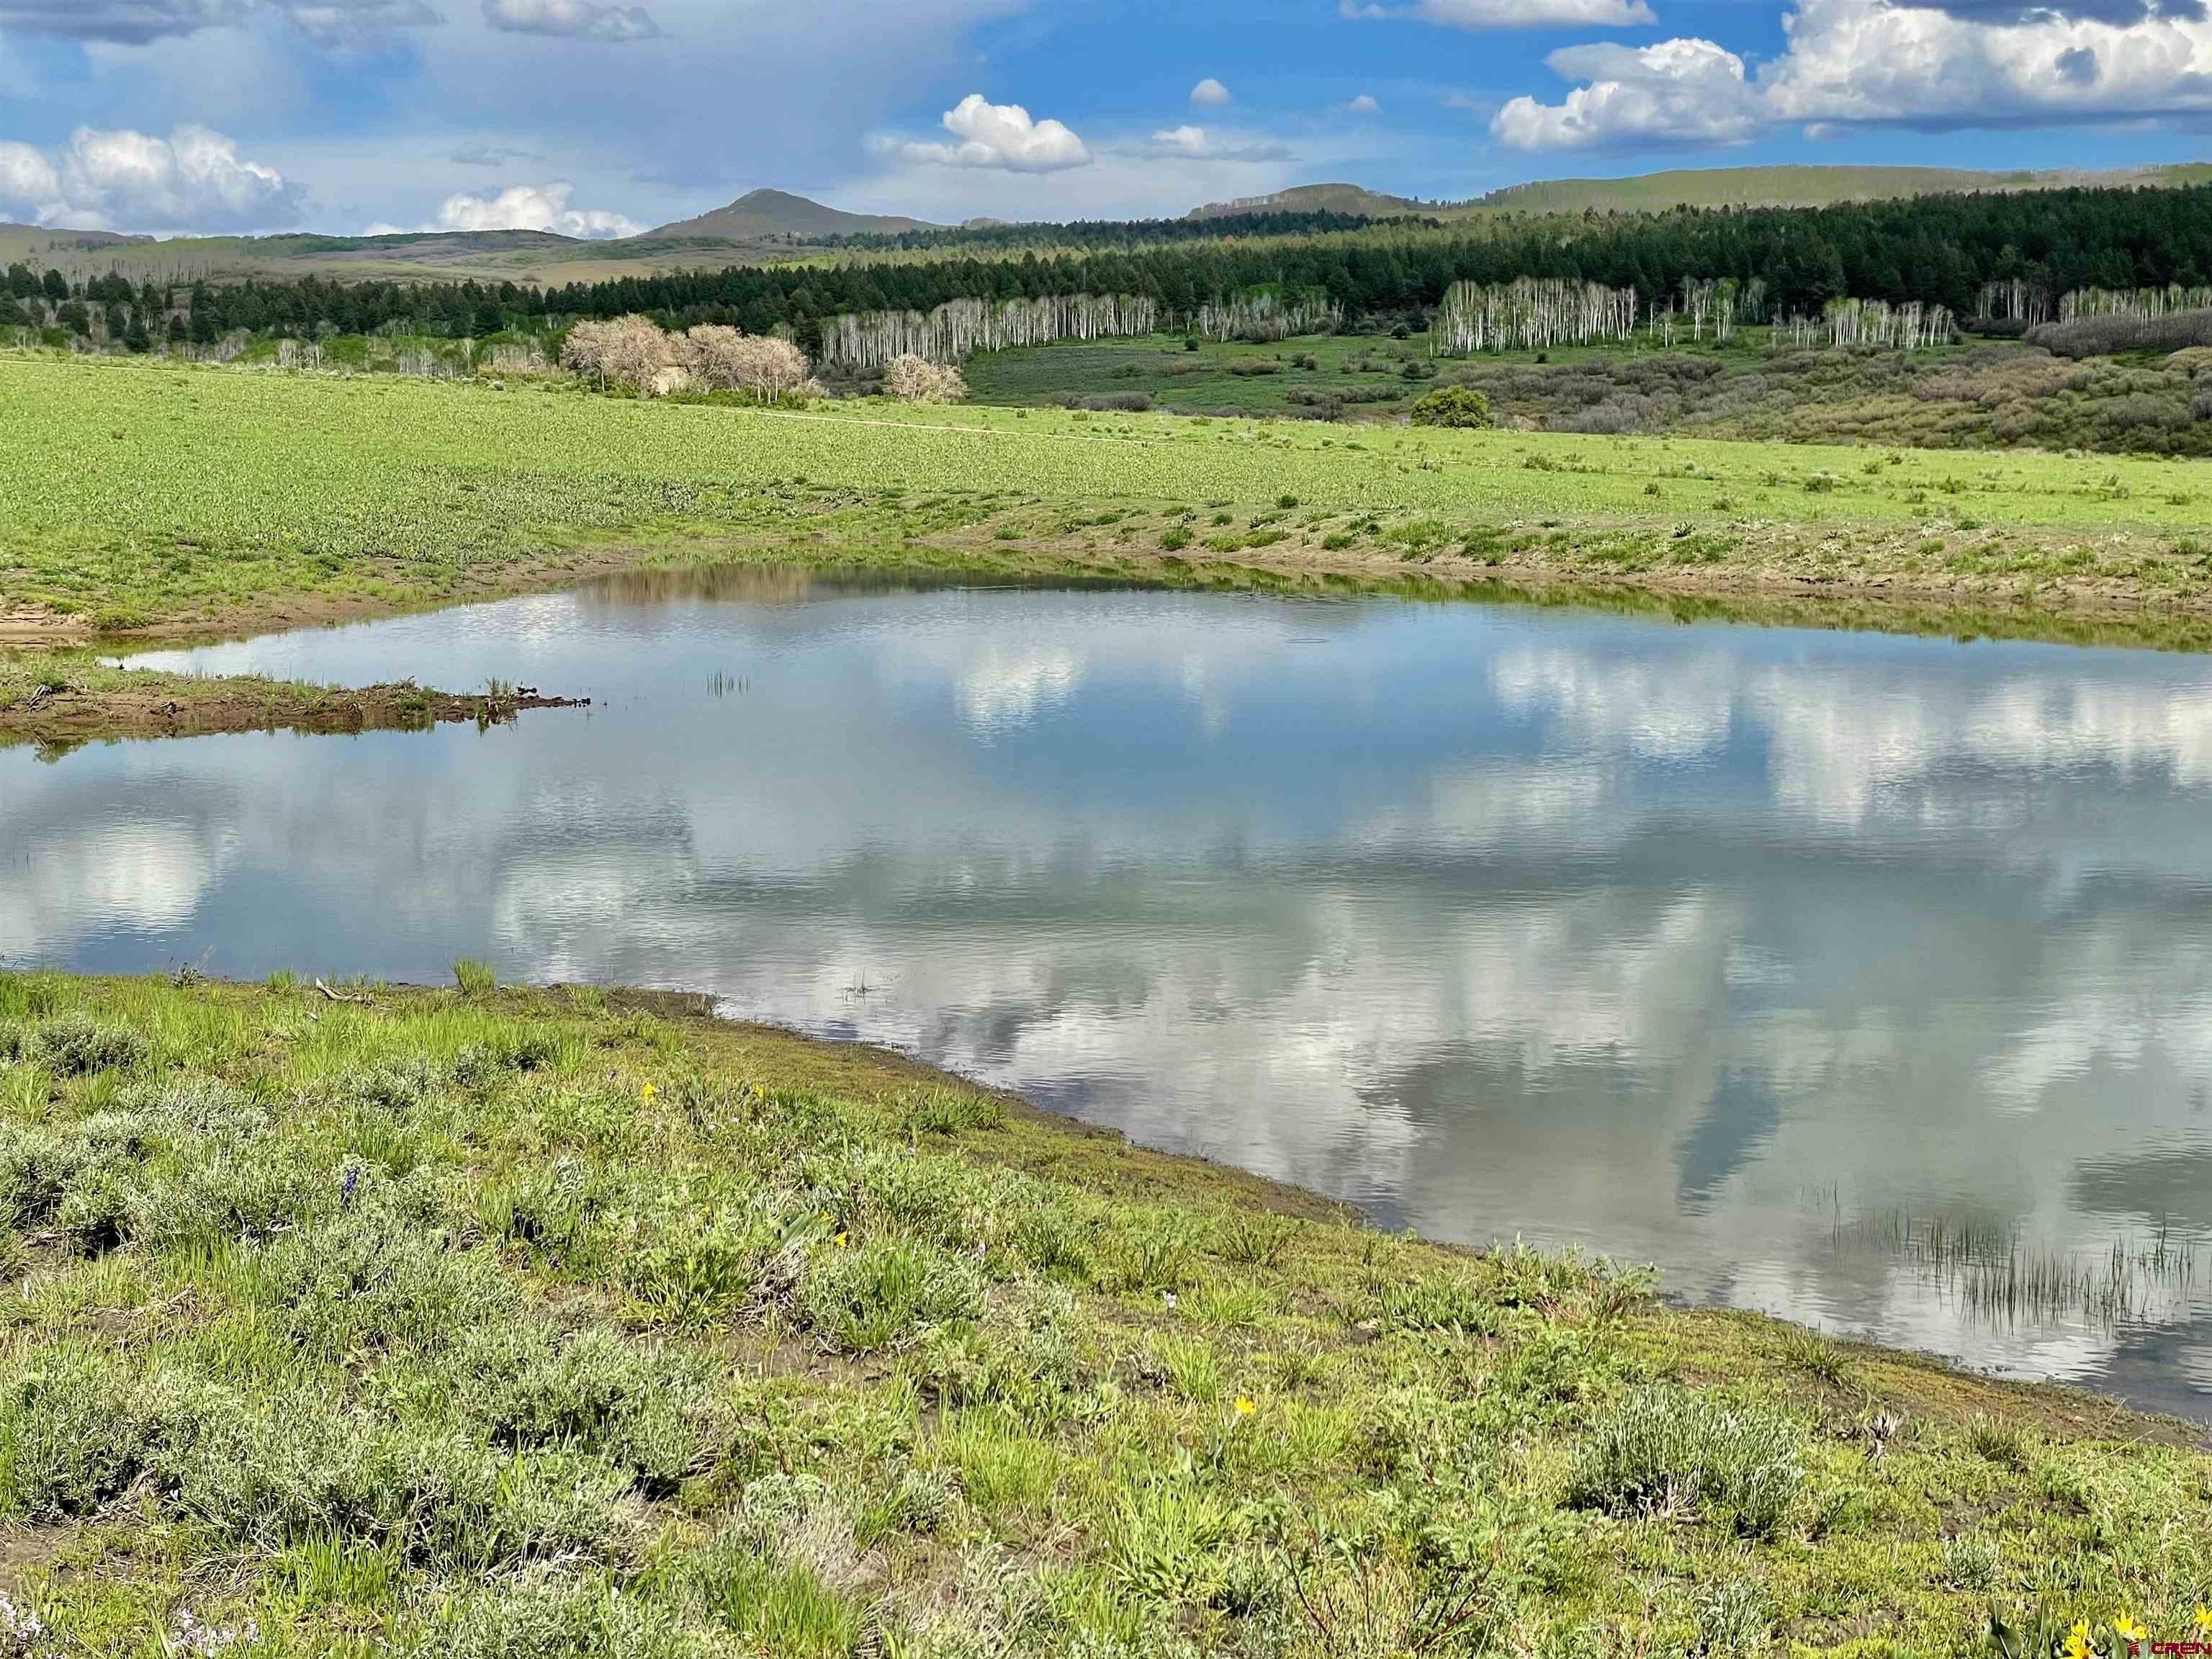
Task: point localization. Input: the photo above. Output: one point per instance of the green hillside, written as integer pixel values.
(1706, 187)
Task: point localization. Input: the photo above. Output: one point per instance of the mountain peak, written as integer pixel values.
(776, 215)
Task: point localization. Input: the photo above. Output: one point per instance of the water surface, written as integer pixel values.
(1759, 954)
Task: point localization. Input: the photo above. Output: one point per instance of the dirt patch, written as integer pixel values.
(24, 1549)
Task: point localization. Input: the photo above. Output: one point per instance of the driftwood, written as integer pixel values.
(340, 996)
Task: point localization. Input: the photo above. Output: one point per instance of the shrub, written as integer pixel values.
(913, 380)
(550, 1617)
(1456, 406)
(1668, 1451)
(74, 1435)
(388, 1275)
(74, 1046)
(1119, 403)
(2102, 336)
(655, 1411)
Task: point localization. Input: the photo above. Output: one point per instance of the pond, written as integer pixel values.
(1865, 980)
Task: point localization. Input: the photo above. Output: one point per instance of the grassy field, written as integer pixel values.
(142, 496)
(481, 1323)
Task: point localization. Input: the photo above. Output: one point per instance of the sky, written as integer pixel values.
(601, 118)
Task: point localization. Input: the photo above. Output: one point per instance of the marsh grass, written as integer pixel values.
(1995, 1276)
(504, 1323)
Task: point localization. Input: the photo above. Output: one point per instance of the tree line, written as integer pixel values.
(1944, 251)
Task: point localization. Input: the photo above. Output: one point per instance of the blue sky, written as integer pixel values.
(594, 117)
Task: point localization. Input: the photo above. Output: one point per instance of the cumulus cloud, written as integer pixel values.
(1870, 60)
(194, 180)
(1512, 14)
(581, 20)
(1211, 93)
(1364, 104)
(136, 23)
(1974, 63)
(1000, 136)
(27, 180)
(1678, 92)
(530, 207)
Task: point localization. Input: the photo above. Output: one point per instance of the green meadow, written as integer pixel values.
(145, 494)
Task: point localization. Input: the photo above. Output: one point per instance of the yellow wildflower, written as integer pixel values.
(648, 1093)
(2127, 1630)
(1246, 1405)
(2204, 1621)
(2079, 1643)
(844, 1241)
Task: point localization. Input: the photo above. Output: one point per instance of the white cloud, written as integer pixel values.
(530, 207)
(1678, 92)
(1210, 93)
(1180, 141)
(1364, 104)
(1000, 136)
(194, 180)
(1982, 62)
(1866, 60)
(135, 22)
(1512, 14)
(28, 182)
(583, 19)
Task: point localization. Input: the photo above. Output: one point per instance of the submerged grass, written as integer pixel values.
(487, 1321)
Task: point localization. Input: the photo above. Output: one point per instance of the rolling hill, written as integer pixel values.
(769, 226)
(1319, 199)
(1776, 186)
(766, 225)
(775, 217)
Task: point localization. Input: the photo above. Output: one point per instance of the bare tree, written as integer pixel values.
(874, 339)
(629, 351)
(727, 360)
(916, 379)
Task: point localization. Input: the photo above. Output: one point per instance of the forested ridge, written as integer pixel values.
(1126, 234)
(1936, 250)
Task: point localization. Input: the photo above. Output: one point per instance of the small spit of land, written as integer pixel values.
(483, 1321)
(65, 697)
(155, 502)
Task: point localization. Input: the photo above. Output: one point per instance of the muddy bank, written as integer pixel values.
(134, 705)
